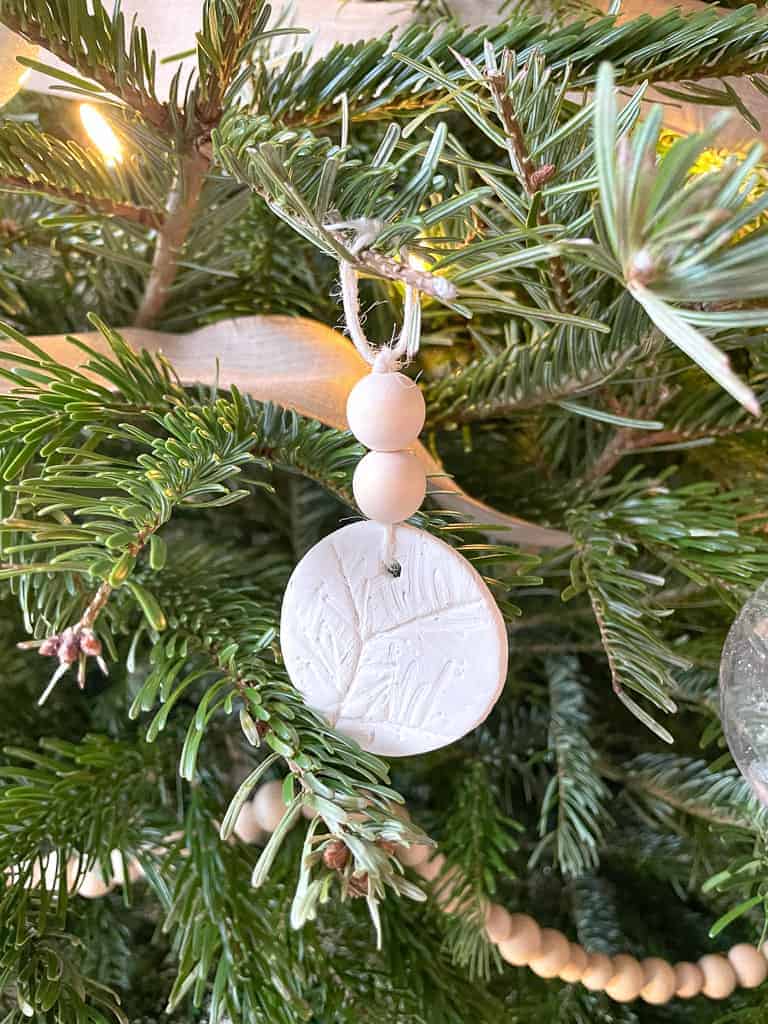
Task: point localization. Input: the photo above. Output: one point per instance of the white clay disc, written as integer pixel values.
(401, 664)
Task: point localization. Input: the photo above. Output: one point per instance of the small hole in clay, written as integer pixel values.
(394, 569)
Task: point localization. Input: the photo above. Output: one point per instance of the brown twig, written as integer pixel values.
(194, 164)
(95, 606)
(629, 440)
(126, 211)
(599, 614)
(531, 177)
(385, 266)
(179, 213)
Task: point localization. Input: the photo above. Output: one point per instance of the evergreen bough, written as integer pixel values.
(600, 369)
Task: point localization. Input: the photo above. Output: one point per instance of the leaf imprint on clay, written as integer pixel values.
(403, 664)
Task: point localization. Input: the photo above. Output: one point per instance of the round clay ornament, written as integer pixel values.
(401, 663)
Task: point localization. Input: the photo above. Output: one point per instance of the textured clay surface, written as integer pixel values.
(402, 664)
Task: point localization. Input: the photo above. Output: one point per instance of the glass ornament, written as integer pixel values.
(744, 691)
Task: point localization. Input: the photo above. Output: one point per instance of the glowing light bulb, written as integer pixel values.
(101, 134)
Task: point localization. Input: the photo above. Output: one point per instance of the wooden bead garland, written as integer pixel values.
(268, 806)
(598, 972)
(93, 885)
(518, 937)
(247, 829)
(524, 943)
(521, 942)
(430, 869)
(554, 953)
(413, 856)
(498, 923)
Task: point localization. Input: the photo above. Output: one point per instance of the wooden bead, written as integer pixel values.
(389, 486)
(445, 893)
(524, 941)
(577, 964)
(598, 972)
(430, 869)
(627, 981)
(689, 978)
(660, 981)
(46, 875)
(92, 885)
(386, 411)
(413, 856)
(498, 923)
(749, 965)
(719, 976)
(247, 829)
(268, 805)
(554, 953)
(118, 863)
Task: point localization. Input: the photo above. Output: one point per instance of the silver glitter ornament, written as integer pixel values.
(744, 691)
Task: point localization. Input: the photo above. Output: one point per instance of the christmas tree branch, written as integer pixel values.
(548, 370)
(230, 31)
(629, 441)
(574, 811)
(386, 82)
(93, 42)
(722, 798)
(141, 215)
(36, 161)
(532, 178)
(65, 30)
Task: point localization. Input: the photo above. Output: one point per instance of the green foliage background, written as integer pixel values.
(577, 379)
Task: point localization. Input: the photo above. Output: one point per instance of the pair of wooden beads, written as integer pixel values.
(549, 954)
(386, 413)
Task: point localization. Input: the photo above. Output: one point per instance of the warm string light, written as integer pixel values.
(101, 134)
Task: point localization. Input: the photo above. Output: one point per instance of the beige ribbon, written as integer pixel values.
(299, 364)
